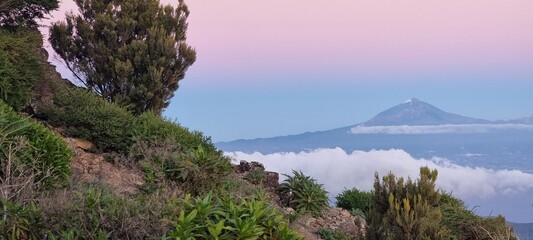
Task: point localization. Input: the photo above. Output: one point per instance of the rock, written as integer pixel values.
(256, 165)
(243, 167)
(83, 144)
(271, 180)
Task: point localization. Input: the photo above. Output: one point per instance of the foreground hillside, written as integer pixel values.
(83, 168)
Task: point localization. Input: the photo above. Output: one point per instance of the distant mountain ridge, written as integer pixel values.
(416, 112)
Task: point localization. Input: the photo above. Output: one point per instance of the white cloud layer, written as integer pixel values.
(337, 169)
(438, 129)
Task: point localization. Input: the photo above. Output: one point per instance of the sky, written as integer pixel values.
(271, 68)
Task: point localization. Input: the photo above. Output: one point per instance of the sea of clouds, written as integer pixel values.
(337, 170)
(439, 129)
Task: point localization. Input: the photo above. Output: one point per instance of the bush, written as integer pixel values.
(111, 128)
(405, 209)
(46, 154)
(209, 218)
(304, 193)
(93, 211)
(196, 171)
(328, 234)
(354, 199)
(150, 127)
(256, 176)
(19, 221)
(19, 67)
(84, 115)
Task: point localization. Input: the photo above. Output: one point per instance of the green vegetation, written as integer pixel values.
(19, 67)
(256, 176)
(31, 150)
(228, 218)
(355, 200)
(328, 234)
(138, 51)
(304, 193)
(417, 210)
(15, 13)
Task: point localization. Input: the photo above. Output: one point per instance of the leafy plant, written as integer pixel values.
(256, 176)
(214, 218)
(353, 199)
(19, 221)
(328, 234)
(304, 193)
(47, 154)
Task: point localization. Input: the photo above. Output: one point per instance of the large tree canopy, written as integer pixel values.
(132, 52)
(24, 12)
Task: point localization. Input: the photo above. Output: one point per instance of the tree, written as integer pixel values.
(131, 52)
(24, 12)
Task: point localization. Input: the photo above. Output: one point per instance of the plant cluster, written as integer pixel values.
(355, 200)
(196, 171)
(112, 128)
(227, 218)
(417, 210)
(19, 67)
(303, 193)
(256, 176)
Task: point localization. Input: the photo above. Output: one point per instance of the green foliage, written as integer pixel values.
(198, 171)
(256, 176)
(464, 224)
(150, 127)
(209, 218)
(353, 199)
(94, 212)
(84, 115)
(47, 154)
(305, 194)
(405, 209)
(19, 221)
(19, 67)
(128, 51)
(24, 12)
(328, 234)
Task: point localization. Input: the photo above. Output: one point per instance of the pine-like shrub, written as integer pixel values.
(19, 67)
(84, 115)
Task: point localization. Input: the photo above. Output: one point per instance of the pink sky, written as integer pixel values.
(310, 37)
(373, 35)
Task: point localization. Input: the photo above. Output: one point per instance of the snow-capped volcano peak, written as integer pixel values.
(411, 100)
(417, 112)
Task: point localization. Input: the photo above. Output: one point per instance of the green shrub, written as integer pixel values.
(208, 218)
(19, 221)
(353, 199)
(306, 195)
(256, 176)
(93, 211)
(196, 171)
(405, 209)
(19, 66)
(84, 115)
(151, 127)
(46, 154)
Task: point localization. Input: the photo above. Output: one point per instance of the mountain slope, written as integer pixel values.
(416, 112)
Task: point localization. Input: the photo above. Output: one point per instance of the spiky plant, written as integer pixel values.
(304, 194)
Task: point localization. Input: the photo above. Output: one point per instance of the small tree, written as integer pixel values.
(24, 12)
(131, 52)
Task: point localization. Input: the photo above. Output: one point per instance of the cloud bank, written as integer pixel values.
(438, 129)
(337, 170)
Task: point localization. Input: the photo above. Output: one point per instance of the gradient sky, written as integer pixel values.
(269, 68)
